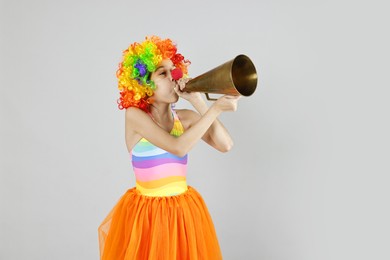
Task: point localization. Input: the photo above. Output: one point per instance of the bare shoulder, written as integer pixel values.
(136, 119)
(133, 116)
(133, 113)
(187, 117)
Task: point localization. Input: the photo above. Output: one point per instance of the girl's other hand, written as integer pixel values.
(227, 103)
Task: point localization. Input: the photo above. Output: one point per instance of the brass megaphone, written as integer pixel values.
(235, 77)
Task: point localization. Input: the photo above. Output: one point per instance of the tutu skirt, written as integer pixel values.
(168, 228)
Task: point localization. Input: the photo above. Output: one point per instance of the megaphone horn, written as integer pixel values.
(235, 77)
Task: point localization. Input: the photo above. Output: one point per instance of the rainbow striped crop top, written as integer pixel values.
(158, 172)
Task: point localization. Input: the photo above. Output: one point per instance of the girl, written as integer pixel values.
(162, 217)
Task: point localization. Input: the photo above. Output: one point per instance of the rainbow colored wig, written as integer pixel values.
(139, 61)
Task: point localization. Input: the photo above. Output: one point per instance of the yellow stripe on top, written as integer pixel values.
(160, 182)
(158, 172)
(171, 189)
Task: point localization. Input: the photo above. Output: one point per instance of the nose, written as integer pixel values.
(176, 74)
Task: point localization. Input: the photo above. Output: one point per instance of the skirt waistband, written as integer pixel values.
(148, 196)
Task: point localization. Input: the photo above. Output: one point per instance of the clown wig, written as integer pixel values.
(139, 61)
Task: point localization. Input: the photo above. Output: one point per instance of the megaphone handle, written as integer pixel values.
(209, 98)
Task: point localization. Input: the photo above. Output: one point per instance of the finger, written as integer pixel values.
(182, 85)
(176, 89)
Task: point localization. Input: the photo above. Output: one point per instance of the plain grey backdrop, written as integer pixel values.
(308, 176)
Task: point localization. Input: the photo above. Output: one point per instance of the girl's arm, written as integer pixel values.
(140, 123)
(216, 135)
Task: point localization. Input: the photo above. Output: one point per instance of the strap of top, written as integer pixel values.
(178, 128)
(175, 116)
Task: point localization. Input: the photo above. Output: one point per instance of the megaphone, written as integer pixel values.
(235, 77)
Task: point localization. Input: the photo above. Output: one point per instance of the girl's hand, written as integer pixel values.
(192, 97)
(227, 103)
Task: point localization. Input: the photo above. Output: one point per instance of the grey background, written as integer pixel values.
(307, 178)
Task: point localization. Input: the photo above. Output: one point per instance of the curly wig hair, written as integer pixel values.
(139, 61)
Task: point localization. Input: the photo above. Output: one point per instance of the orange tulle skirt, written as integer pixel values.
(171, 227)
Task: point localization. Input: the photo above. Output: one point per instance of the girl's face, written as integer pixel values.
(162, 77)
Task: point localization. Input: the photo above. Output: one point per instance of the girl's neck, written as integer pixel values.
(162, 115)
